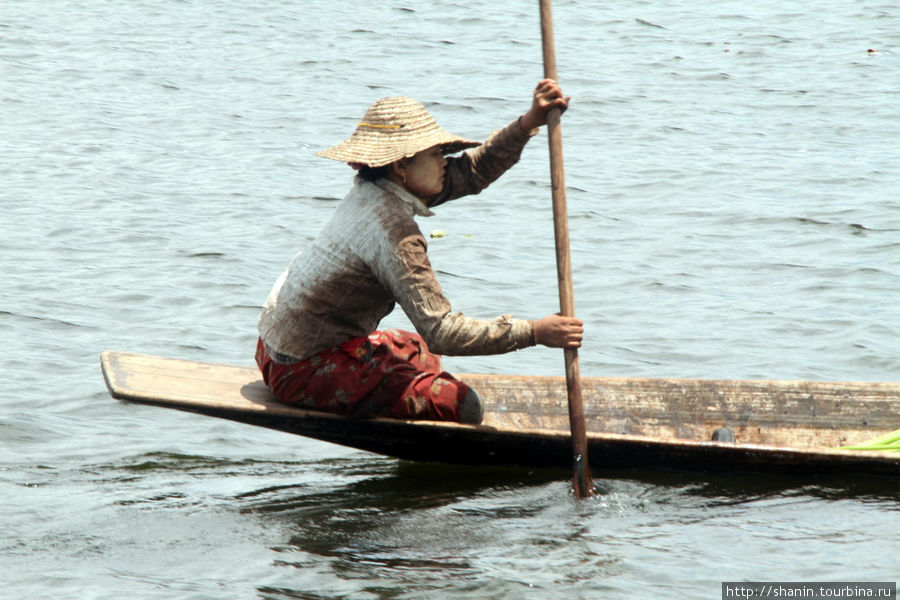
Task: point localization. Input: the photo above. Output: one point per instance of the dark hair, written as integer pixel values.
(373, 173)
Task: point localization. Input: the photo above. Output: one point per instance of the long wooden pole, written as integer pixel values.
(581, 477)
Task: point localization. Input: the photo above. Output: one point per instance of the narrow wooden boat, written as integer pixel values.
(793, 427)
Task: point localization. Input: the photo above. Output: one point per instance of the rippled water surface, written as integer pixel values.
(732, 173)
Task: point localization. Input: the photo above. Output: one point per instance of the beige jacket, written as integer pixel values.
(372, 255)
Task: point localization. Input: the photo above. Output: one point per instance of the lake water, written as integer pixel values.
(732, 173)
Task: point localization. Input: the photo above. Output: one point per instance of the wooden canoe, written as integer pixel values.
(787, 427)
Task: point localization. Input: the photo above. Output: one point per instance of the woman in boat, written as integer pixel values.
(319, 345)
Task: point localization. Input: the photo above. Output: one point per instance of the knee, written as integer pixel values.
(472, 409)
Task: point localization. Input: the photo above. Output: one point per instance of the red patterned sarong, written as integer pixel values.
(390, 373)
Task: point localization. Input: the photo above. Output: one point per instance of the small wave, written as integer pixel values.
(649, 24)
(41, 319)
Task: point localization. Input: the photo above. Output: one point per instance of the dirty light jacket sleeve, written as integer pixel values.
(476, 169)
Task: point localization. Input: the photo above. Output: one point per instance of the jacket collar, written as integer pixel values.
(418, 206)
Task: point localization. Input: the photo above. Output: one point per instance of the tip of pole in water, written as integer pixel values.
(581, 480)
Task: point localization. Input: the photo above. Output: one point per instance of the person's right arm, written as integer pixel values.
(476, 169)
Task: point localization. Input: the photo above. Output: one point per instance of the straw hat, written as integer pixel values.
(394, 128)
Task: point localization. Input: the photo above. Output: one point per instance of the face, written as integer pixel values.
(425, 172)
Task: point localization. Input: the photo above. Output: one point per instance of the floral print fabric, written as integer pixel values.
(389, 373)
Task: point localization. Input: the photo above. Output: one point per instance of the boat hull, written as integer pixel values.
(781, 427)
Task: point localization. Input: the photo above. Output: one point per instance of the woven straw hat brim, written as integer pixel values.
(392, 129)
